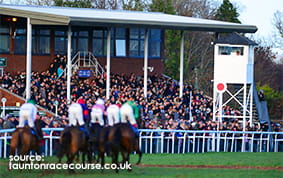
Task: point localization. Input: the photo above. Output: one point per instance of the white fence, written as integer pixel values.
(176, 141)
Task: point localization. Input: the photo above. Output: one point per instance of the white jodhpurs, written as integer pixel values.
(127, 114)
(113, 115)
(76, 115)
(97, 116)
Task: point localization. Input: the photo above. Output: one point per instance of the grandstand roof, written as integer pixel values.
(45, 15)
(235, 39)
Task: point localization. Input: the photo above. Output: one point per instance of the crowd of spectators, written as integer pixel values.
(162, 108)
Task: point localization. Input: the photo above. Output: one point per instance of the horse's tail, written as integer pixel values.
(64, 144)
(114, 143)
(15, 142)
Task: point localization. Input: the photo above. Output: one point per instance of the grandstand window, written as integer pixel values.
(137, 43)
(41, 41)
(119, 36)
(4, 38)
(20, 40)
(154, 43)
(136, 47)
(60, 41)
(80, 41)
(99, 42)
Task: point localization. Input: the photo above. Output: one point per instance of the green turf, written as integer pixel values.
(248, 159)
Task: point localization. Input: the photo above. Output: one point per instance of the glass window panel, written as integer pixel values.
(142, 31)
(155, 34)
(228, 50)
(134, 45)
(134, 33)
(74, 45)
(4, 29)
(44, 32)
(60, 45)
(20, 31)
(97, 45)
(83, 44)
(154, 50)
(60, 33)
(34, 45)
(141, 48)
(120, 33)
(120, 47)
(4, 43)
(83, 33)
(44, 47)
(98, 33)
(20, 44)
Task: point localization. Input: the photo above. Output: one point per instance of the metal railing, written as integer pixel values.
(176, 141)
(85, 59)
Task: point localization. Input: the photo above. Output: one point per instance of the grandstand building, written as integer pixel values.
(89, 33)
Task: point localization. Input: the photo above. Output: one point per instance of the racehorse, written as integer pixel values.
(123, 139)
(24, 140)
(94, 134)
(73, 140)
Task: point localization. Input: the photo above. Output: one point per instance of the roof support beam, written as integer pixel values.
(145, 73)
(108, 64)
(69, 66)
(181, 83)
(28, 59)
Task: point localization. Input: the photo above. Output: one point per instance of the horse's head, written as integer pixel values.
(38, 126)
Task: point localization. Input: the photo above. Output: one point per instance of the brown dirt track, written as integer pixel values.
(279, 168)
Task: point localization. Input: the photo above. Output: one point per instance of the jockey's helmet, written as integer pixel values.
(31, 101)
(99, 101)
(81, 101)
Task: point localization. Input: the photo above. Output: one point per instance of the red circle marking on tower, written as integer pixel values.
(220, 86)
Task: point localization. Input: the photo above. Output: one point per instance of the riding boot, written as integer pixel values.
(84, 128)
(136, 131)
(36, 133)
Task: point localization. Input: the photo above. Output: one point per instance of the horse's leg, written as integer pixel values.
(124, 157)
(101, 156)
(115, 160)
(138, 151)
(70, 160)
(127, 159)
(83, 156)
(89, 155)
(78, 156)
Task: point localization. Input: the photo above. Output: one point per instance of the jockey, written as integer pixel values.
(113, 114)
(28, 112)
(97, 112)
(129, 113)
(85, 110)
(76, 116)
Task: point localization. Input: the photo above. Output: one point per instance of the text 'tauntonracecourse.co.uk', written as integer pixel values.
(35, 163)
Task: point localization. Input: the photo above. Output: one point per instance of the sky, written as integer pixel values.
(259, 13)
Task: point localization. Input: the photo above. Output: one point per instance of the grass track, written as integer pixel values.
(244, 159)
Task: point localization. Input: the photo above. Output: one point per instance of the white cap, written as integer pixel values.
(100, 101)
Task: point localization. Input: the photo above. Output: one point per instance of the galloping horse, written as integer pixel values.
(24, 140)
(123, 139)
(102, 144)
(73, 140)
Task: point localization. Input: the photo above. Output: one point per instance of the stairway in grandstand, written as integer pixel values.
(12, 99)
(260, 110)
(86, 60)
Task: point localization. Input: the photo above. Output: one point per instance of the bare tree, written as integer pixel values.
(199, 51)
(39, 2)
(105, 4)
(278, 24)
